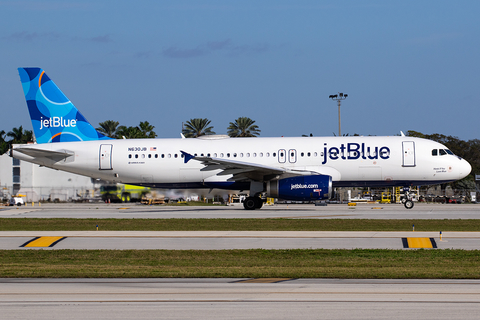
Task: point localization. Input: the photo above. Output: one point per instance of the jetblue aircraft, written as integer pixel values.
(305, 168)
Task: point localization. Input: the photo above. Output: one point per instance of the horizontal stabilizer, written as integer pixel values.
(40, 153)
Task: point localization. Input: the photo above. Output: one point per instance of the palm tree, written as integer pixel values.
(129, 132)
(147, 129)
(108, 128)
(243, 127)
(197, 127)
(3, 143)
(19, 136)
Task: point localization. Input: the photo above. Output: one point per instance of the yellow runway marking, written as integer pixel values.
(417, 243)
(265, 280)
(42, 242)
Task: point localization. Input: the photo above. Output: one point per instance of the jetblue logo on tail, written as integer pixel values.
(54, 117)
(57, 122)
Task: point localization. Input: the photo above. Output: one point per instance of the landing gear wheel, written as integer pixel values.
(258, 202)
(250, 203)
(408, 204)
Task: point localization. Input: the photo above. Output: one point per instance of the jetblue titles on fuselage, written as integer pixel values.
(353, 151)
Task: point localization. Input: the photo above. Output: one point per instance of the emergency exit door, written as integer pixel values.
(408, 149)
(106, 156)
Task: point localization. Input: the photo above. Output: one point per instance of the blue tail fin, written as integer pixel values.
(54, 117)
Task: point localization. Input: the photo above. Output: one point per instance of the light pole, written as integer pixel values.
(339, 97)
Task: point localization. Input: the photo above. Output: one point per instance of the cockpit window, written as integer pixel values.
(435, 152)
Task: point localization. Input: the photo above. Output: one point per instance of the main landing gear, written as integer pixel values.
(252, 203)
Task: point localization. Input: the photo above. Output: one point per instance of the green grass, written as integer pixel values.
(34, 224)
(255, 263)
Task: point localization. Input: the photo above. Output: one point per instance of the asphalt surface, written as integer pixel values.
(220, 240)
(294, 211)
(238, 299)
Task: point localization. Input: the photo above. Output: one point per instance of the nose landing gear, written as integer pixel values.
(407, 201)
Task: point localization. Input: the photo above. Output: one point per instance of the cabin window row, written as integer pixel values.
(227, 155)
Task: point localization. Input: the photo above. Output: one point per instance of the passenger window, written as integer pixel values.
(163, 156)
(274, 154)
(302, 154)
(176, 155)
(260, 154)
(234, 155)
(136, 156)
(267, 154)
(248, 155)
(156, 156)
(149, 156)
(221, 155)
(129, 156)
(435, 152)
(308, 154)
(228, 155)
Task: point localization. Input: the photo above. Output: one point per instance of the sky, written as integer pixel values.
(405, 65)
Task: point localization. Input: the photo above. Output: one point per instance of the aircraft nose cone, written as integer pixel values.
(465, 169)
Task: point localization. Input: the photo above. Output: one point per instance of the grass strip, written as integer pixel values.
(64, 224)
(255, 263)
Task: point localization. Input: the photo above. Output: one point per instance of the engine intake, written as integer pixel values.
(301, 188)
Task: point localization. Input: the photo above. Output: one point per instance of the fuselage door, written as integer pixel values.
(408, 153)
(292, 155)
(282, 155)
(106, 157)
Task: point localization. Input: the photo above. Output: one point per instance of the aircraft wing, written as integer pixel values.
(246, 170)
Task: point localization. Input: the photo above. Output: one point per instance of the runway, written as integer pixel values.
(239, 299)
(220, 240)
(292, 211)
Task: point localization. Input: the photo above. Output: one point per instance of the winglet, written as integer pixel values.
(187, 156)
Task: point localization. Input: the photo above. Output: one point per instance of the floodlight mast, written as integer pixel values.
(339, 97)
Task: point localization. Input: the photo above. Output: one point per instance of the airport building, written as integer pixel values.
(42, 184)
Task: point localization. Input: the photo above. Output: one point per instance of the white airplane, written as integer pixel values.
(304, 168)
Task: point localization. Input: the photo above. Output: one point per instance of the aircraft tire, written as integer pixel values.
(258, 202)
(250, 203)
(408, 204)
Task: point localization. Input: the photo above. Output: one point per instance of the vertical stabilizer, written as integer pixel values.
(54, 117)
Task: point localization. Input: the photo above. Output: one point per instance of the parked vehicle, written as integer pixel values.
(16, 201)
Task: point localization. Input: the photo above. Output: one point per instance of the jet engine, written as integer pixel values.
(301, 188)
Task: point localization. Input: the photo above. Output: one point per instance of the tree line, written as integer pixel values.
(193, 128)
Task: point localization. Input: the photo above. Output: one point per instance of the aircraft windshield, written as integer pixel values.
(442, 152)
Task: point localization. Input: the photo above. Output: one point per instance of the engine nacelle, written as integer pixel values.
(301, 188)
